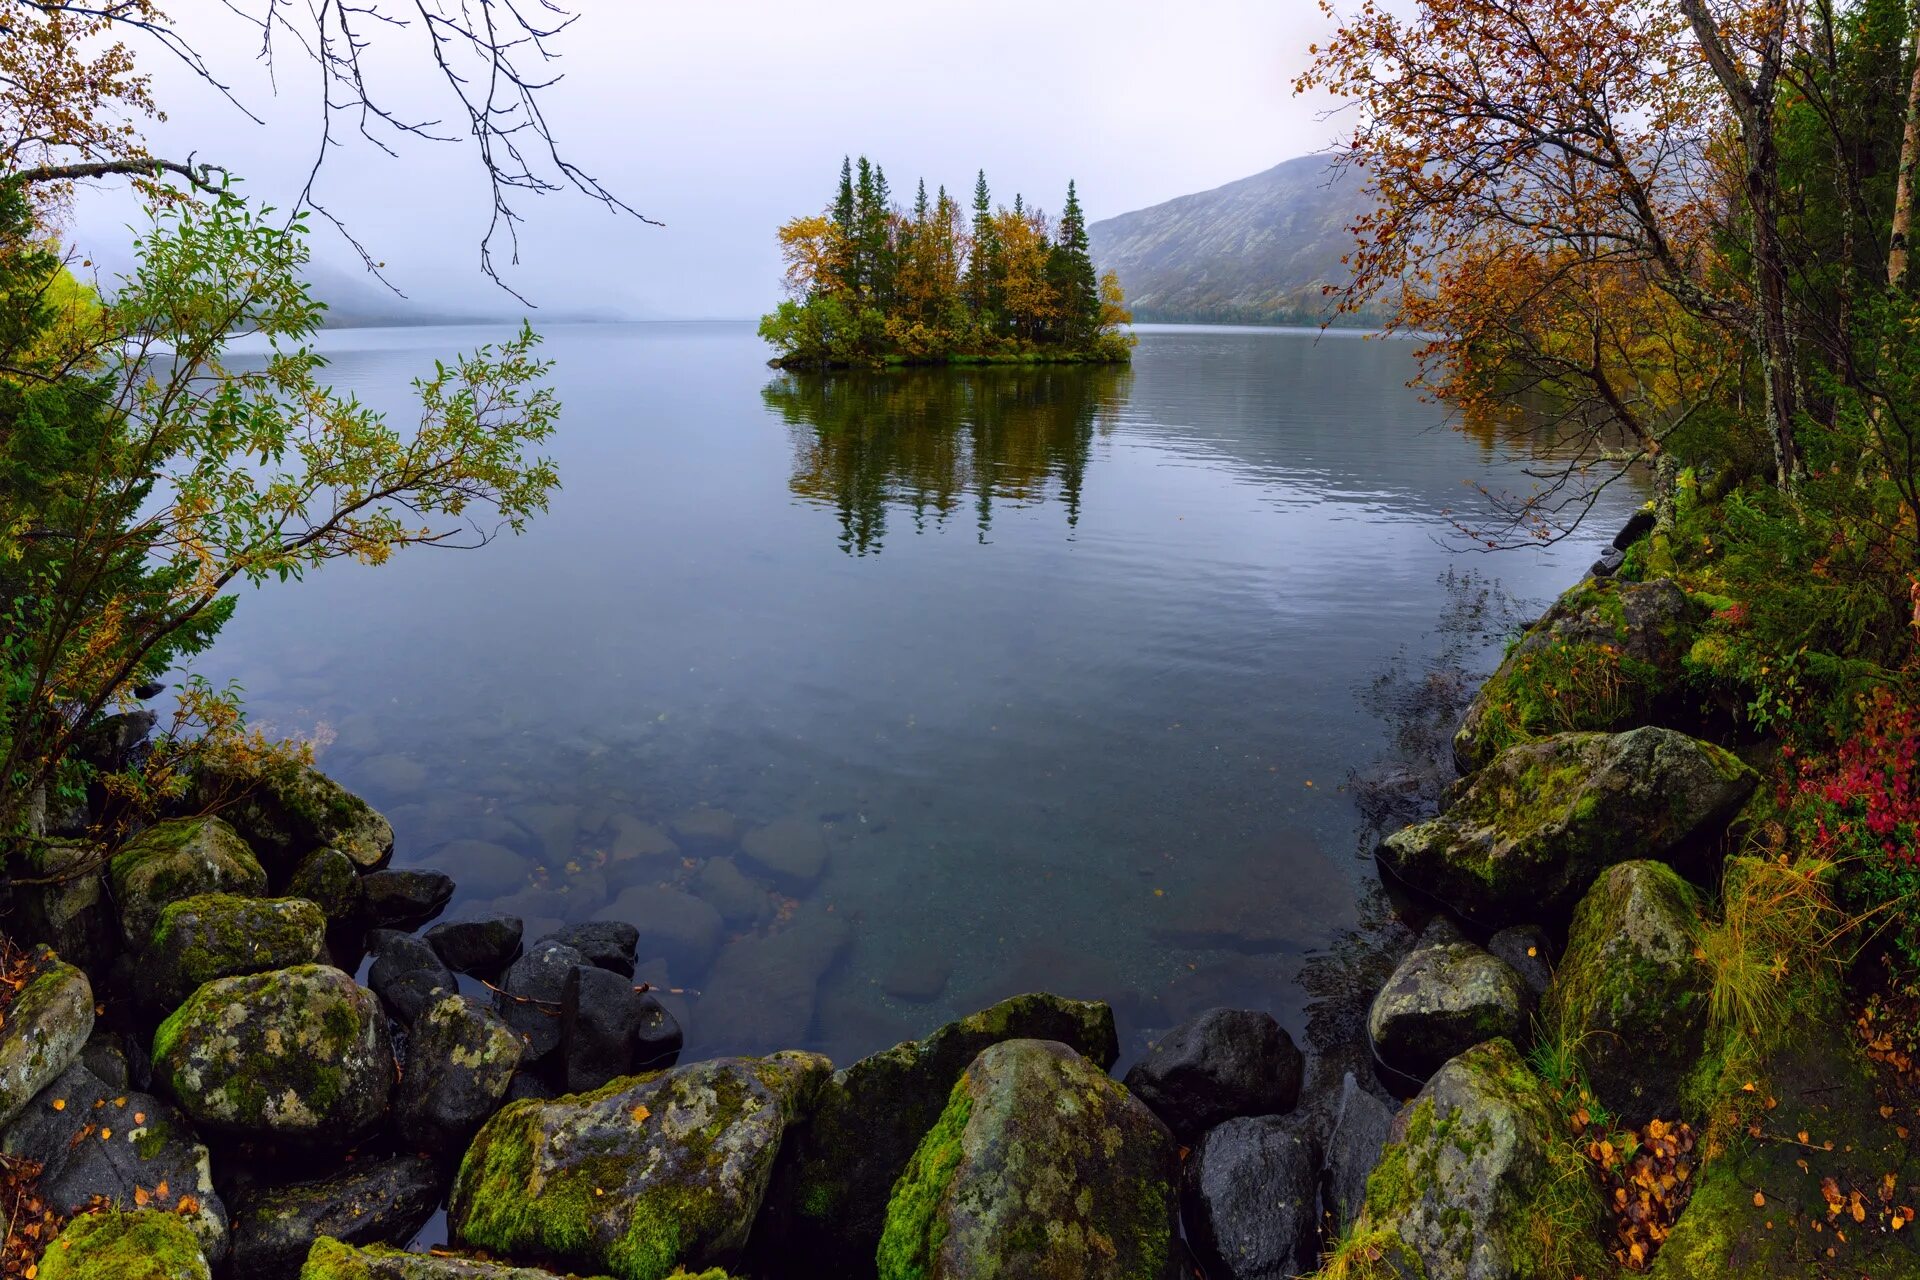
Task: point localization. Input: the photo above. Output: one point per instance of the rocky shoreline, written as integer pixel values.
(205, 1089)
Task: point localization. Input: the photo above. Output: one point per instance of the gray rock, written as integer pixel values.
(792, 851)
(218, 935)
(611, 944)
(1440, 1002)
(1590, 800)
(1251, 1189)
(657, 1040)
(396, 954)
(1359, 1134)
(600, 1016)
(674, 1163)
(403, 899)
(105, 1056)
(830, 1192)
(136, 1143)
(1013, 1182)
(1629, 992)
(531, 995)
(175, 860)
(484, 945)
(374, 1202)
(1528, 952)
(328, 879)
(298, 1055)
(1222, 1064)
(45, 1028)
(69, 910)
(674, 926)
(461, 1059)
(1608, 564)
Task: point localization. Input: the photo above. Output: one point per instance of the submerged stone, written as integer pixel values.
(793, 851)
(652, 1173)
(836, 1174)
(1040, 1165)
(297, 1054)
(1527, 834)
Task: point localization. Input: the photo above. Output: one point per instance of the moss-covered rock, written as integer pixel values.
(1607, 656)
(1525, 836)
(462, 1058)
(298, 1054)
(286, 810)
(1440, 1002)
(1629, 992)
(651, 1173)
(830, 1191)
(44, 1029)
(68, 908)
(332, 1260)
(328, 879)
(219, 935)
(1040, 1166)
(110, 1245)
(1476, 1183)
(1824, 1089)
(180, 859)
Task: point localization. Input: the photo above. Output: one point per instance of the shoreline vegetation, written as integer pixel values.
(873, 285)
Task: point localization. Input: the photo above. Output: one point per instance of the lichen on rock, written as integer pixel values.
(45, 1028)
(111, 1245)
(220, 935)
(179, 859)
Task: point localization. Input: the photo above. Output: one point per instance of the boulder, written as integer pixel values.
(1040, 1165)
(530, 995)
(111, 1245)
(383, 1201)
(1528, 952)
(1526, 835)
(1222, 1064)
(1629, 992)
(483, 946)
(44, 1028)
(1354, 1142)
(1251, 1191)
(1606, 656)
(600, 1017)
(1474, 1184)
(1440, 1002)
(674, 926)
(286, 810)
(332, 1260)
(299, 1055)
(610, 944)
(104, 1144)
(403, 899)
(657, 1040)
(830, 1192)
(218, 935)
(461, 1058)
(68, 909)
(179, 859)
(649, 1174)
(763, 989)
(328, 879)
(791, 852)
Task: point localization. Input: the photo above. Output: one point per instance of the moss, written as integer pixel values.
(110, 1245)
(915, 1228)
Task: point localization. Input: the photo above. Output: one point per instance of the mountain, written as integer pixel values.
(1256, 251)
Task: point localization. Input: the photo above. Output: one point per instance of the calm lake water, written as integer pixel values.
(1061, 671)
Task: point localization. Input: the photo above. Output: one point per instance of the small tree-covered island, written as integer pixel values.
(872, 284)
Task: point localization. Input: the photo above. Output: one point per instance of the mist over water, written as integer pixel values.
(1064, 668)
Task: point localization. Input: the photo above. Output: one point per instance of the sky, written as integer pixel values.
(723, 118)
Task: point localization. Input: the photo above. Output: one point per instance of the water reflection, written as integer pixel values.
(938, 442)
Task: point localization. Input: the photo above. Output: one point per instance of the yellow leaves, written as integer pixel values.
(640, 1114)
(59, 1104)
(1759, 1200)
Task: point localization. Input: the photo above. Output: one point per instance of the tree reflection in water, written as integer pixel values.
(936, 442)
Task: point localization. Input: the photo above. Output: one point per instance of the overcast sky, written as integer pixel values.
(722, 118)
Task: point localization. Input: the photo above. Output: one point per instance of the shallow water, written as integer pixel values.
(1064, 666)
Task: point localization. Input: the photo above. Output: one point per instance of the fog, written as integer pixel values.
(723, 119)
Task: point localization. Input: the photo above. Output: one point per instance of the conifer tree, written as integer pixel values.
(1070, 270)
(983, 262)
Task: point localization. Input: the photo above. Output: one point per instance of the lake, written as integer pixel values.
(872, 698)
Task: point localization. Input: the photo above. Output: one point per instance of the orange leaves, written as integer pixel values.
(1649, 1179)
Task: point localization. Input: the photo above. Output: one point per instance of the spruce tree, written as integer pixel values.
(1070, 270)
(983, 263)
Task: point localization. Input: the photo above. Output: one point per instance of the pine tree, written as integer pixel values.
(983, 261)
(1070, 270)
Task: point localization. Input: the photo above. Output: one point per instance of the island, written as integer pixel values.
(872, 285)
